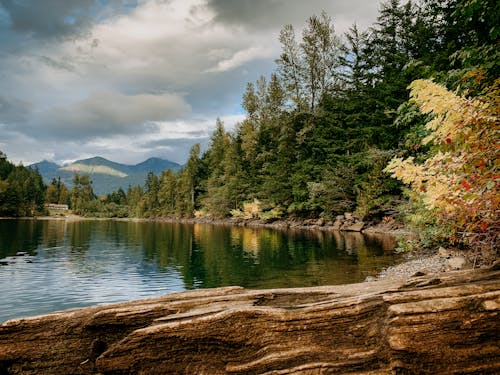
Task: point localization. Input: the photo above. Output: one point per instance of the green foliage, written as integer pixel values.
(423, 223)
(375, 191)
(82, 198)
(22, 192)
(57, 192)
(5, 166)
(334, 194)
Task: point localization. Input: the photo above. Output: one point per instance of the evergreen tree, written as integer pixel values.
(167, 193)
(188, 183)
(216, 202)
(150, 197)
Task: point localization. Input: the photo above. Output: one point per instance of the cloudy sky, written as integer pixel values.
(131, 79)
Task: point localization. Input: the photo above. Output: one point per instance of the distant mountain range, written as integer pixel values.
(106, 175)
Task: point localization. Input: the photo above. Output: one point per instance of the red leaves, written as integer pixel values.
(466, 185)
(461, 178)
(448, 139)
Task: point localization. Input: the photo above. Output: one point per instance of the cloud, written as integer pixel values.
(14, 110)
(55, 18)
(170, 43)
(266, 14)
(57, 64)
(241, 57)
(94, 77)
(106, 113)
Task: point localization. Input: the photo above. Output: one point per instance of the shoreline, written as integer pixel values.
(285, 224)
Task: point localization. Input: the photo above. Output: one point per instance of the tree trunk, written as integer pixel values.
(431, 324)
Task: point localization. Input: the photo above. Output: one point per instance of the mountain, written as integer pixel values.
(45, 167)
(155, 165)
(106, 175)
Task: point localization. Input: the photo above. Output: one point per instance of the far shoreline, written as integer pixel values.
(281, 224)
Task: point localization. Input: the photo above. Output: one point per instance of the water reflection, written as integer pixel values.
(89, 262)
(15, 238)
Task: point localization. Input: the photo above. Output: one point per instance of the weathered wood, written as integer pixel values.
(431, 324)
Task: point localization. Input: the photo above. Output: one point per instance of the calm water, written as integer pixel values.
(49, 265)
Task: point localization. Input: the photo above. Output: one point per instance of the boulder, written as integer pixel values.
(337, 225)
(355, 227)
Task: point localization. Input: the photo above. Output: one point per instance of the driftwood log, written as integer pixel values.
(443, 324)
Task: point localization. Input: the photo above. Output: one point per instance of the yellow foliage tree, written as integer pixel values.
(251, 210)
(459, 182)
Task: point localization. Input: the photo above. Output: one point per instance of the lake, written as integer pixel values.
(51, 265)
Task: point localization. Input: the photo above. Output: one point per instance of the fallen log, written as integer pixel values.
(443, 324)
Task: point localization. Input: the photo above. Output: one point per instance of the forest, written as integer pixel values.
(398, 120)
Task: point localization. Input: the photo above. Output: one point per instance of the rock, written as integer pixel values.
(443, 253)
(383, 327)
(456, 263)
(420, 273)
(337, 225)
(320, 222)
(349, 216)
(356, 227)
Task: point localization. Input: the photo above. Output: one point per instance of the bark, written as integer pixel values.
(442, 324)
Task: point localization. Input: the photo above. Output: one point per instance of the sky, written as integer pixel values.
(133, 79)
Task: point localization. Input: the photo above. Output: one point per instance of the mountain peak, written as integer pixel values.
(155, 165)
(45, 166)
(96, 160)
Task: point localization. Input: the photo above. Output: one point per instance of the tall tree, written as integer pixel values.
(188, 183)
(82, 193)
(290, 66)
(321, 58)
(167, 193)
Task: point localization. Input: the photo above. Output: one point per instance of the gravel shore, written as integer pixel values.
(432, 263)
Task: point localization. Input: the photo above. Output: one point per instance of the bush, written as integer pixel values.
(457, 185)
